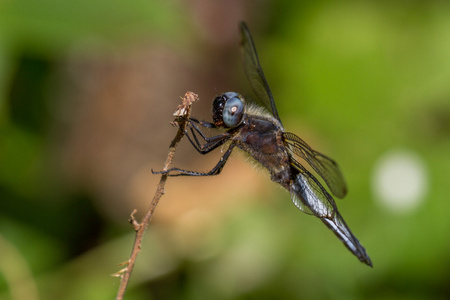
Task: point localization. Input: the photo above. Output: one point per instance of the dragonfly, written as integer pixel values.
(258, 130)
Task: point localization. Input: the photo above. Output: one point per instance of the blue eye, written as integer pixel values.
(233, 112)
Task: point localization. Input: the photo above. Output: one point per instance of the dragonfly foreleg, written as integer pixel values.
(203, 123)
(211, 142)
(215, 171)
(192, 126)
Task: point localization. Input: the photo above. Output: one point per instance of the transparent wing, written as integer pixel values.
(312, 198)
(309, 195)
(327, 168)
(254, 71)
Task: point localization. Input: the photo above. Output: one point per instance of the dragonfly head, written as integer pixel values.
(228, 110)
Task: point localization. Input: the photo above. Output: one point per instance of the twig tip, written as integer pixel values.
(183, 109)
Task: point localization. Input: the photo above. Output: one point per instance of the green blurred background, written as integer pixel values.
(87, 92)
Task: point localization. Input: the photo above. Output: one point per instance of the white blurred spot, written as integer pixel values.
(400, 181)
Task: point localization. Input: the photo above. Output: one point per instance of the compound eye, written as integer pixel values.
(233, 112)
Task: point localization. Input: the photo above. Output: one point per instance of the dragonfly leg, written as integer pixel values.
(192, 126)
(215, 171)
(203, 123)
(211, 142)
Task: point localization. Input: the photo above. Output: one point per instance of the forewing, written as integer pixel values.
(327, 168)
(254, 71)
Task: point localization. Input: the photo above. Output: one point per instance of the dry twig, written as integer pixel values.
(181, 114)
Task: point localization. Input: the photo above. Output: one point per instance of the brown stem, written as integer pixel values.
(182, 115)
